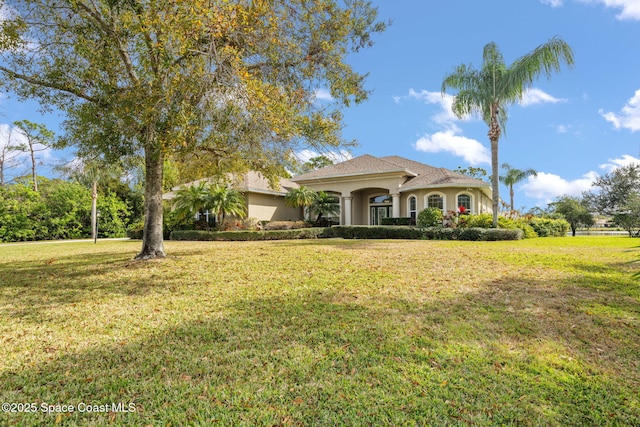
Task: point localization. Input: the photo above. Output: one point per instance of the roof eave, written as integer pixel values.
(396, 172)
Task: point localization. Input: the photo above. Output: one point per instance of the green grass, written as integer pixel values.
(540, 332)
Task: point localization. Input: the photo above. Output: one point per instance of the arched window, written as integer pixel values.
(435, 201)
(464, 201)
(412, 208)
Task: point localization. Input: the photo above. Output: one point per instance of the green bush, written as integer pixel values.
(430, 217)
(473, 233)
(486, 221)
(245, 235)
(376, 232)
(441, 233)
(546, 227)
(285, 225)
(492, 234)
(353, 232)
(395, 221)
(480, 220)
(135, 230)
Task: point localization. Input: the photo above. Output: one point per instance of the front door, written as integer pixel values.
(377, 213)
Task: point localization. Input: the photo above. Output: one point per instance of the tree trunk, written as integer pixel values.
(511, 196)
(152, 238)
(33, 167)
(494, 136)
(94, 209)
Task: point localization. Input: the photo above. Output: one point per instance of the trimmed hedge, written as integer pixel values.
(395, 221)
(376, 232)
(243, 235)
(354, 232)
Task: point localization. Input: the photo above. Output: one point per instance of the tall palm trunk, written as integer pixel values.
(152, 239)
(494, 136)
(511, 197)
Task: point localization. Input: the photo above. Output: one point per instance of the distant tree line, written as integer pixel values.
(61, 209)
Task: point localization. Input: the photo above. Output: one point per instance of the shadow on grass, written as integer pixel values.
(70, 279)
(510, 352)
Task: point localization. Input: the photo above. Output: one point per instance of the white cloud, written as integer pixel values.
(629, 116)
(547, 186)
(447, 141)
(552, 3)
(625, 160)
(445, 116)
(536, 96)
(323, 95)
(630, 9)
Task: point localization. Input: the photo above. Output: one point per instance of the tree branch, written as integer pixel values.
(51, 85)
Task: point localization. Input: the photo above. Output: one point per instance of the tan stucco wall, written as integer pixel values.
(480, 202)
(362, 188)
(266, 207)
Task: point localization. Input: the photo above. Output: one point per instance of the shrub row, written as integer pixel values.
(376, 232)
(396, 221)
(354, 232)
(471, 234)
(244, 235)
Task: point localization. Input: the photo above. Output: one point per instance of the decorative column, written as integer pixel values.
(346, 202)
(395, 206)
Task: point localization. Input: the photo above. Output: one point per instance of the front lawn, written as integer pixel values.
(540, 332)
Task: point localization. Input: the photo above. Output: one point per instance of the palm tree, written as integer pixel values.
(514, 176)
(491, 89)
(191, 200)
(223, 200)
(325, 204)
(301, 197)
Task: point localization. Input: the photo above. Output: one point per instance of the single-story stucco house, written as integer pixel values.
(263, 202)
(369, 188)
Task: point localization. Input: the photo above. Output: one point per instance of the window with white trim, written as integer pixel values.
(413, 208)
(464, 201)
(435, 201)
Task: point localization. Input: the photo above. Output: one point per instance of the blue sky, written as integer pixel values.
(579, 124)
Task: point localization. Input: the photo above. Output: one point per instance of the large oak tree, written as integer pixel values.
(229, 81)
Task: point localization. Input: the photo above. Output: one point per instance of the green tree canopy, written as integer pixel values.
(225, 201)
(191, 199)
(326, 205)
(229, 84)
(575, 210)
(301, 197)
(37, 138)
(617, 193)
(492, 88)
